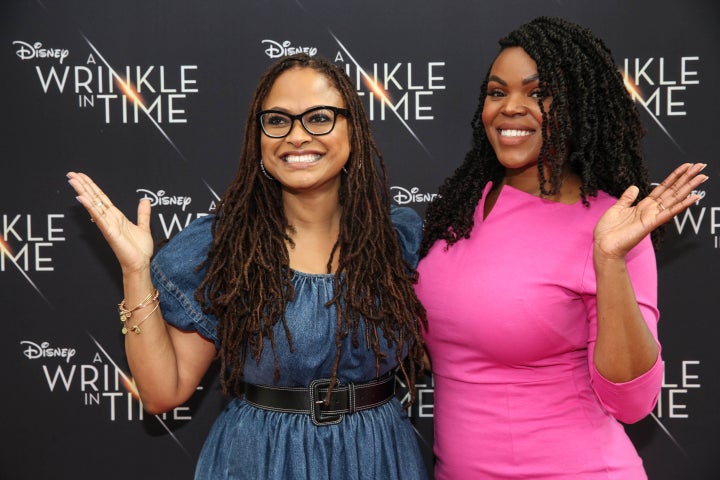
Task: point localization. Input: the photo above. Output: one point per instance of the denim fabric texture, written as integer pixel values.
(247, 442)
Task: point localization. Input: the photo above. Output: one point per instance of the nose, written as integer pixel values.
(298, 135)
(515, 104)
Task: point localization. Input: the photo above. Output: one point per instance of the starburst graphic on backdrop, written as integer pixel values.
(131, 93)
(129, 384)
(667, 432)
(379, 92)
(637, 97)
(7, 254)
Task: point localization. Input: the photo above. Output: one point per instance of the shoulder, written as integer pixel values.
(186, 249)
(408, 225)
(405, 218)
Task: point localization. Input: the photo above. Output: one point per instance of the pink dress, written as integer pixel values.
(512, 327)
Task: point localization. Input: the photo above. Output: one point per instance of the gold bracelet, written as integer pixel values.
(126, 313)
(136, 328)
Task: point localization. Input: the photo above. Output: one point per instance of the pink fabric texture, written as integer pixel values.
(512, 325)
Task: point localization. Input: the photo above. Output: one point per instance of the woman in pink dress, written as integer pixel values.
(539, 274)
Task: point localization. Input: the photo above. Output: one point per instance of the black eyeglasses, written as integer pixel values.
(315, 121)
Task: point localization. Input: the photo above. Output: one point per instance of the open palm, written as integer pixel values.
(131, 243)
(624, 225)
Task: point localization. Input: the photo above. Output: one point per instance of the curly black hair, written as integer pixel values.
(249, 283)
(596, 129)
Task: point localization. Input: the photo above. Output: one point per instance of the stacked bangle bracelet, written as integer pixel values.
(126, 313)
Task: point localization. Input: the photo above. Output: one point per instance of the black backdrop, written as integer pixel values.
(66, 411)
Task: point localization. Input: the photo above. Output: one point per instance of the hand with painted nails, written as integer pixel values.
(131, 243)
(624, 225)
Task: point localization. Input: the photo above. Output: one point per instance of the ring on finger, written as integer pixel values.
(661, 207)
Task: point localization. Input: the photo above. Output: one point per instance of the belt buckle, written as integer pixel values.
(316, 415)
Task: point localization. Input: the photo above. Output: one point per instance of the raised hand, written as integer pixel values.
(624, 225)
(131, 243)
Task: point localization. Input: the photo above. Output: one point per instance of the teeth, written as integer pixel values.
(301, 158)
(515, 133)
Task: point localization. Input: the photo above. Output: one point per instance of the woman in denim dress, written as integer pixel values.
(300, 284)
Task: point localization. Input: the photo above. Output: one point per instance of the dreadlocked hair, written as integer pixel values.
(592, 125)
(249, 282)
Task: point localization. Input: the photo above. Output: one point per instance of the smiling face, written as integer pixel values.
(301, 161)
(511, 114)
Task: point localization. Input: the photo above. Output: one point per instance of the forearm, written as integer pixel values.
(149, 349)
(625, 347)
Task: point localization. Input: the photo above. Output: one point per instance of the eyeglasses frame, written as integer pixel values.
(336, 110)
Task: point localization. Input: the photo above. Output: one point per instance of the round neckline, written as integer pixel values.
(311, 275)
(523, 192)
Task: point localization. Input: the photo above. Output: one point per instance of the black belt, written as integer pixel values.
(346, 398)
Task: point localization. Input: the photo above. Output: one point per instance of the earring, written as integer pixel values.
(344, 170)
(262, 168)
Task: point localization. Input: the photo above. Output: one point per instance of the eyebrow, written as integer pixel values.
(285, 110)
(525, 81)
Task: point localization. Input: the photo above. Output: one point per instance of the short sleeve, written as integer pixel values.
(176, 276)
(408, 225)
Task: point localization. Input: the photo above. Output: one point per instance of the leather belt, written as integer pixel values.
(344, 399)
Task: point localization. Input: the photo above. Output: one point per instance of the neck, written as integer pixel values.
(314, 212)
(528, 181)
(314, 227)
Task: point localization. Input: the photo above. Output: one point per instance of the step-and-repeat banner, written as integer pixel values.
(67, 408)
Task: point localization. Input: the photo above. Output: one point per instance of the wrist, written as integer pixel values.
(135, 273)
(136, 284)
(604, 261)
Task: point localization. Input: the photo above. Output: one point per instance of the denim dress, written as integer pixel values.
(246, 442)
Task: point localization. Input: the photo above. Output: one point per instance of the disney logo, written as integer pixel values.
(403, 196)
(28, 52)
(277, 50)
(161, 198)
(34, 351)
(700, 193)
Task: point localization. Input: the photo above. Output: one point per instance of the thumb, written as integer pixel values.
(143, 214)
(628, 196)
